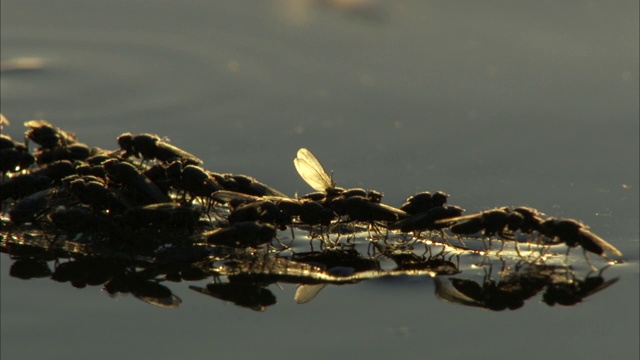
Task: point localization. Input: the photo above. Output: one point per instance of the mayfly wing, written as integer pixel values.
(307, 292)
(601, 242)
(312, 171)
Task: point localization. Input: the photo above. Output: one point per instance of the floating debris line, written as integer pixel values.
(148, 213)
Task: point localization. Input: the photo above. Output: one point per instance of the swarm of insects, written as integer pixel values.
(149, 212)
(107, 196)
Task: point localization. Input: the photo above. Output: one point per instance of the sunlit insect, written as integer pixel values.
(149, 146)
(275, 210)
(424, 201)
(435, 219)
(313, 173)
(138, 185)
(56, 170)
(48, 135)
(573, 233)
(500, 221)
(94, 192)
(3, 121)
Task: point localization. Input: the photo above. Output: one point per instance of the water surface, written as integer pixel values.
(493, 103)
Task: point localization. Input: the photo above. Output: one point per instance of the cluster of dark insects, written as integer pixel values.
(151, 199)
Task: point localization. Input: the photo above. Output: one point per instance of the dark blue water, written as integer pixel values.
(493, 103)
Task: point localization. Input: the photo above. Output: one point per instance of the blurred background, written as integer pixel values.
(496, 103)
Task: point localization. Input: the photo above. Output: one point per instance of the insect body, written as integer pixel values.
(574, 233)
(150, 146)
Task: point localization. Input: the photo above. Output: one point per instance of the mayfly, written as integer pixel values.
(313, 173)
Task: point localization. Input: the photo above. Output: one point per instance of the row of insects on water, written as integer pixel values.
(150, 190)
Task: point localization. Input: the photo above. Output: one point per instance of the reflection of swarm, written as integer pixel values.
(105, 198)
(560, 286)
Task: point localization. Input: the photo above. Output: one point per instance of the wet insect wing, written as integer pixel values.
(305, 293)
(168, 152)
(597, 245)
(312, 171)
(574, 233)
(387, 213)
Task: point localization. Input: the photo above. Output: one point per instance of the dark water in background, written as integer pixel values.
(494, 103)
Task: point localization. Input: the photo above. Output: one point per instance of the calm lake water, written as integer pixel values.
(495, 103)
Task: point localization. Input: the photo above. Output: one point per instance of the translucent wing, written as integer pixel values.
(311, 171)
(3, 120)
(306, 293)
